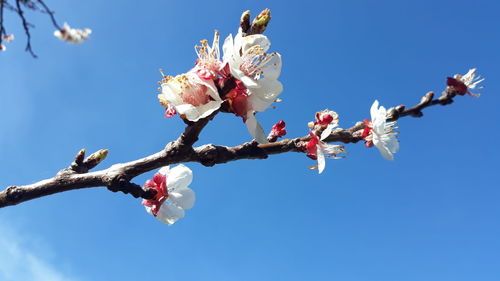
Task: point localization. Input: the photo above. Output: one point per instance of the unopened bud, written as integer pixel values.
(260, 22)
(245, 21)
(95, 158)
(80, 156)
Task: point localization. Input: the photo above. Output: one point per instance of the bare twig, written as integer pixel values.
(26, 26)
(50, 13)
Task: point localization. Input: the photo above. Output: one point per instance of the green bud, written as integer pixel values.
(260, 22)
(95, 158)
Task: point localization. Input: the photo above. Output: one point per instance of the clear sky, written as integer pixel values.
(432, 214)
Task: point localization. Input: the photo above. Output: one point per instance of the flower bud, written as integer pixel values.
(95, 158)
(245, 21)
(260, 22)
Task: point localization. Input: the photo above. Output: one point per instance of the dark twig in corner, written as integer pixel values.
(26, 26)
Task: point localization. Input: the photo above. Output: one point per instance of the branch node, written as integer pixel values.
(121, 183)
(400, 108)
(426, 99)
(13, 193)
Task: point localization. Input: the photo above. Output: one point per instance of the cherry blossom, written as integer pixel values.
(463, 84)
(318, 150)
(381, 133)
(258, 72)
(72, 35)
(173, 195)
(191, 96)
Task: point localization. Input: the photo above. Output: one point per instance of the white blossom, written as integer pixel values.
(191, 95)
(470, 80)
(72, 35)
(173, 194)
(258, 71)
(381, 133)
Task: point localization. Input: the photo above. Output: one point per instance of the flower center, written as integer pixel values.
(254, 60)
(192, 93)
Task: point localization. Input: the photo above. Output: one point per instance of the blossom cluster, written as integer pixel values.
(246, 71)
(66, 33)
(377, 131)
(72, 35)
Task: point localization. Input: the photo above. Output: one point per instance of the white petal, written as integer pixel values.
(321, 160)
(194, 113)
(327, 131)
(384, 151)
(261, 98)
(227, 48)
(183, 197)
(253, 40)
(393, 145)
(169, 213)
(249, 82)
(164, 170)
(172, 93)
(272, 69)
(255, 129)
(374, 110)
(179, 176)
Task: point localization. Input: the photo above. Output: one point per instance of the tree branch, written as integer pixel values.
(118, 177)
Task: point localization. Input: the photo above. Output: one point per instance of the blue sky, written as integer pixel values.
(432, 214)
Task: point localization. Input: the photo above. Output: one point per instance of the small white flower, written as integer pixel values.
(191, 96)
(173, 194)
(463, 84)
(258, 71)
(470, 79)
(72, 35)
(381, 133)
(319, 150)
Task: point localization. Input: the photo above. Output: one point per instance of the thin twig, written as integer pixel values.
(26, 27)
(50, 13)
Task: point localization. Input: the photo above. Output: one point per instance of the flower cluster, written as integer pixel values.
(378, 132)
(72, 35)
(173, 195)
(246, 66)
